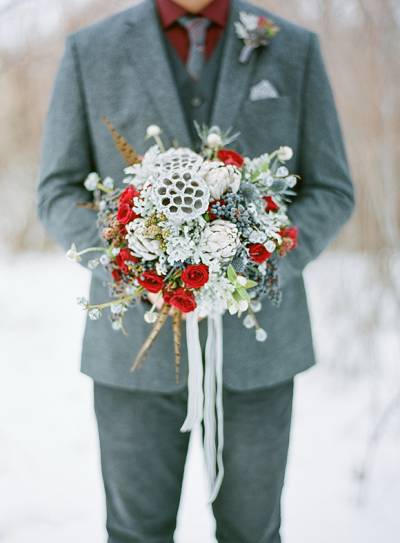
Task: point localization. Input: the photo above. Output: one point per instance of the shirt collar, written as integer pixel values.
(216, 11)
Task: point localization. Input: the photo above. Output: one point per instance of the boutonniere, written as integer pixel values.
(255, 31)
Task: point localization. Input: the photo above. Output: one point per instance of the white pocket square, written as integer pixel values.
(262, 90)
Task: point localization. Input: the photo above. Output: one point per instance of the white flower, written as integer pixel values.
(153, 130)
(241, 280)
(72, 254)
(141, 245)
(116, 309)
(220, 240)
(285, 153)
(94, 314)
(104, 260)
(116, 325)
(266, 179)
(243, 305)
(150, 317)
(291, 181)
(220, 179)
(91, 181)
(270, 246)
(248, 321)
(282, 171)
(255, 306)
(82, 301)
(108, 183)
(261, 334)
(214, 140)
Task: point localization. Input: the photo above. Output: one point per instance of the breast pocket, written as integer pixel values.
(266, 124)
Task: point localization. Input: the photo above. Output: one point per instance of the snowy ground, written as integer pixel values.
(50, 488)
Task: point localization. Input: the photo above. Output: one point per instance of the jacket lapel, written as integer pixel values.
(234, 77)
(146, 51)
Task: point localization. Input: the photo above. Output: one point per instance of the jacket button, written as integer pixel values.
(196, 101)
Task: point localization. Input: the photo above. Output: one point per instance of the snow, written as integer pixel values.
(50, 486)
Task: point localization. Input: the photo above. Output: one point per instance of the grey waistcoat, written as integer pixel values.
(119, 68)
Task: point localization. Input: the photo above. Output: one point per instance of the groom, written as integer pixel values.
(170, 62)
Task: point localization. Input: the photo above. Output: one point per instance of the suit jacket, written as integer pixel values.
(118, 68)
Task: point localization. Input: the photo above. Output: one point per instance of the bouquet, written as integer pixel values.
(203, 233)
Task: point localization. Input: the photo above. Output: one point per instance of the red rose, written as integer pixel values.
(270, 204)
(228, 156)
(183, 300)
(195, 275)
(290, 239)
(167, 295)
(258, 253)
(128, 195)
(151, 281)
(125, 214)
(117, 276)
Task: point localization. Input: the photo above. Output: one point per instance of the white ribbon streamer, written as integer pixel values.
(212, 397)
(195, 378)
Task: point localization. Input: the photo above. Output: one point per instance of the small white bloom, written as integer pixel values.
(214, 140)
(220, 240)
(291, 181)
(285, 153)
(255, 305)
(94, 314)
(93, 263)
(241, 280)
(72, 254)
(267, 179)
(82, 301)
(233, 308)
(102, 205)
(150, 317)
(115, 251)
(282, 172)
(91, 181)
(116, 325)
(108, 183)
(243, 305)
(261, 334)
(116, 309)
(270, 246)
(249, 322)
(104, 260)
(153, 130)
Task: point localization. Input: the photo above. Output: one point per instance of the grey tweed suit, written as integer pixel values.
(119, 68)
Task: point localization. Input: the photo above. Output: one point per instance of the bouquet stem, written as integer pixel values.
(162, 317)
(176, 327)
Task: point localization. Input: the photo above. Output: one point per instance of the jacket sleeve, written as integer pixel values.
(325, 193)
(66, 160)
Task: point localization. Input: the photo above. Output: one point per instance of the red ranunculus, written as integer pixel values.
(258, 253)
(195, 275)
(128, 195)
(229, 156)
(150, 281)
(183, 300)
(125, 255)
(270, 204)
(117, 276)
(289, 239)
(125, 214)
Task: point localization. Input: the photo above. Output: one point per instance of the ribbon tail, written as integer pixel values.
(195, 378)
(213, 405)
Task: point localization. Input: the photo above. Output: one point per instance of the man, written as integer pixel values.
(153, 64)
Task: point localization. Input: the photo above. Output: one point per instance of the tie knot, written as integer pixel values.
(196, 28)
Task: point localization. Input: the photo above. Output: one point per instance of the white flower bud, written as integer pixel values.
(270, 246)
(108, 183)
(104, 260)
(243, 305)
(255, 305)
(261, 334)
(249, 322)
(285, 153)
(72, 254)
(94, 314)
(291, 181)
(241, 280)
(150, 317)
(214, 140)
(153, 130)
(115, 251)
(116, 309)
(282, 172)
(91, 181)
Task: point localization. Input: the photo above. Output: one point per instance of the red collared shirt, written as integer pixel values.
(217, 12)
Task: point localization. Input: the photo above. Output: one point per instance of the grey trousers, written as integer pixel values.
(143, 455)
